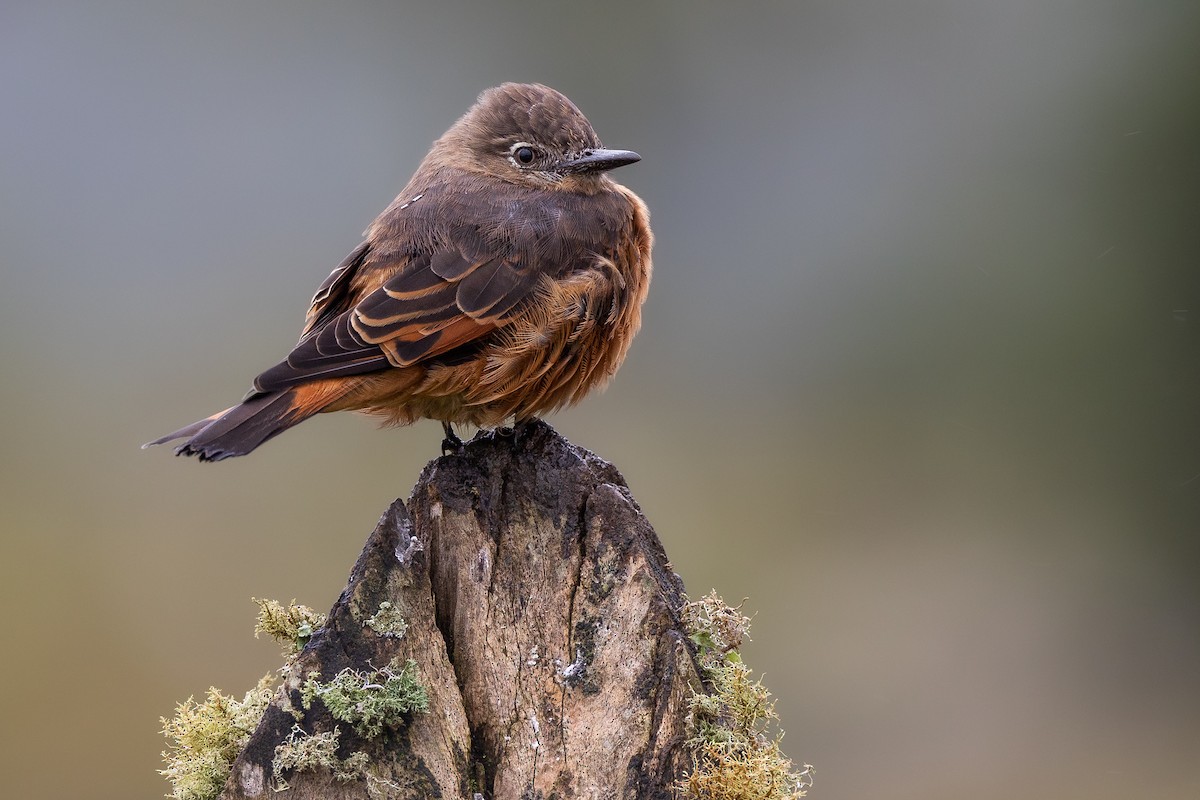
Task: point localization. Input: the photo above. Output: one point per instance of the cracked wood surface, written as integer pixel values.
(542, 615)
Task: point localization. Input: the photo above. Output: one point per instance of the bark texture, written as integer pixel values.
(543, 618)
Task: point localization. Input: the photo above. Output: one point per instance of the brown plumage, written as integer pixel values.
(505, 281)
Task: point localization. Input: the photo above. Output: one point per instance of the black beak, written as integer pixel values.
(599, 161)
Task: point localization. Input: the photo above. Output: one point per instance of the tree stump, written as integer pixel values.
(543, 619)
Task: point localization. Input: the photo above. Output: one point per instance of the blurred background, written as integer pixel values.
(920, 372)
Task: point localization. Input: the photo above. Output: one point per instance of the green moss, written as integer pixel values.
(387, 622)
(207, 738)
(734, 754)
(290, 625)
(370, 701)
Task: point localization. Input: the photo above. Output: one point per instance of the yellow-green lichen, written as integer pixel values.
(387, 621)
(291, 625)
(370, 701)
(206, 738)
(735, 755)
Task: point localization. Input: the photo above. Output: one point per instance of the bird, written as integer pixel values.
(504, 282)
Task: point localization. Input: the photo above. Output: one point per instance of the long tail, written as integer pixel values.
(238, 430)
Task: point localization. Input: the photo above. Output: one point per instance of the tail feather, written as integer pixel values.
(187, 431)
(238, 430)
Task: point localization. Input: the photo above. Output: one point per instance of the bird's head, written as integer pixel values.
(526, 133)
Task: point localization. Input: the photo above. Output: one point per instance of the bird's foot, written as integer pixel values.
(451, 444)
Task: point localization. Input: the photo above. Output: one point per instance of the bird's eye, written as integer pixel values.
(524, 154)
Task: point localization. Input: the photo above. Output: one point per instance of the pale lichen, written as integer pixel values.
(717, 629)
(305, 752)
(734, 754)
(207, 738)
(387, 622)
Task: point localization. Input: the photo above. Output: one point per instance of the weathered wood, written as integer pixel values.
(543, 618)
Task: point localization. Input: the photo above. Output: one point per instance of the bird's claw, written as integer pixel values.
(451, 444)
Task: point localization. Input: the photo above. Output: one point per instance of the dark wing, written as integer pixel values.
(433, 302)
(332, 295)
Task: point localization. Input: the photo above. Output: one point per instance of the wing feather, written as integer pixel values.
(332, 292)
(433, 302)
(436, 275)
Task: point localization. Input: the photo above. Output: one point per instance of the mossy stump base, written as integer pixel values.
(542, 615)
